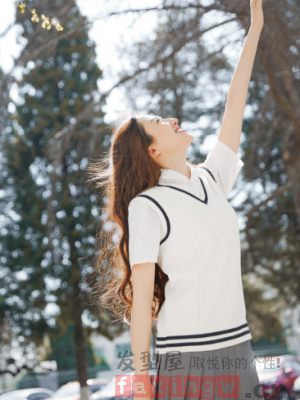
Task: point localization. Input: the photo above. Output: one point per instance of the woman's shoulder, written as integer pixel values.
(147, 194)
(145, 206)
(139, 206)
(145, 215)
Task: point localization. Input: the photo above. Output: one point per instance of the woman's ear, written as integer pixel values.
(153, 152)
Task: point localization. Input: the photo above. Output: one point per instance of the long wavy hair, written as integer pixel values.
(126, 171)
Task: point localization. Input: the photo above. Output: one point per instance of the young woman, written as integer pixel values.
(178, 257)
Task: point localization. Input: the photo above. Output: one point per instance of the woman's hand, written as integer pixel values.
(257, 15)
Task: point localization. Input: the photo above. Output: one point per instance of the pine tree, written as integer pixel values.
(49, 245)
(63, 351)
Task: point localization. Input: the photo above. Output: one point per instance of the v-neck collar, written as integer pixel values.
(188, 193)
(169, 177)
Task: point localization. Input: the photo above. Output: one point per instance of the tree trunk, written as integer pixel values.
(291, 159)
(284, 93)
(279, 68)
(81, 358)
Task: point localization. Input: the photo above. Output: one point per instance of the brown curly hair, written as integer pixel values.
(132, 171)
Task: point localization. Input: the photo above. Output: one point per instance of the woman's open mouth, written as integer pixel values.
(178, 129)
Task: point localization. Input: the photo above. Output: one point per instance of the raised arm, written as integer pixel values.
(231, 128)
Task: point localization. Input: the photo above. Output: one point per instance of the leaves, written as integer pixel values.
(35, 18)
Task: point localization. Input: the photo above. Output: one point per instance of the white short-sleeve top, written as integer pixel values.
(145, 228)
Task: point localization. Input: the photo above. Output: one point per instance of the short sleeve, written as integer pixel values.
(224, 164)
(144, 233)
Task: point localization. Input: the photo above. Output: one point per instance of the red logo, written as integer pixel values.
(160, 386)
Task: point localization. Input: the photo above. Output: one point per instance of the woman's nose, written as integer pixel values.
(174, 121)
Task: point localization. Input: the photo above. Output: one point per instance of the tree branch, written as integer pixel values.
(255, 133)
(6, 30)
(163, 8)
(89, 108)
(281, 272)
(274, 195)
(53, 42)
(288, 7)
(287, 108)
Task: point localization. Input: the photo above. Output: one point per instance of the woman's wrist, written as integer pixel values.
(256, 27)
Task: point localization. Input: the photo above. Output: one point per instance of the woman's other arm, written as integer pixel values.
(230, 132)
(143, 276)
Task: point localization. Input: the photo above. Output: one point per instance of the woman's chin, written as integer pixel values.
(190, 136)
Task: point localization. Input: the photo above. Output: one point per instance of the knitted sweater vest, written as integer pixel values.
(204, 306)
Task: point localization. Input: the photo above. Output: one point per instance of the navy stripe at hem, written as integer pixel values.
(201, 335)
(162, 346)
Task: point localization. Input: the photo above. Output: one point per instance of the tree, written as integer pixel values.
(63, 351)
(49, 243)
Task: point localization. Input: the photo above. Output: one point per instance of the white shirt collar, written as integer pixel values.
(171, 175)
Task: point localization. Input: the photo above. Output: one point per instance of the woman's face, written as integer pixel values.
(169, 139)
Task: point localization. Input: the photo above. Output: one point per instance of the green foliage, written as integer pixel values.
(276, 340)
(63, 351)
(49, 241)
(28, 380)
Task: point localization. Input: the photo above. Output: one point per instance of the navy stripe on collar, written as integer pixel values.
(188, 193)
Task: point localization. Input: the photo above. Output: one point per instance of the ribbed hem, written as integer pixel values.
(203, 342)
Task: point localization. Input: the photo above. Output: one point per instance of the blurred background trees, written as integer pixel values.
(49, 242)
(49, 216)
(64, 353)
